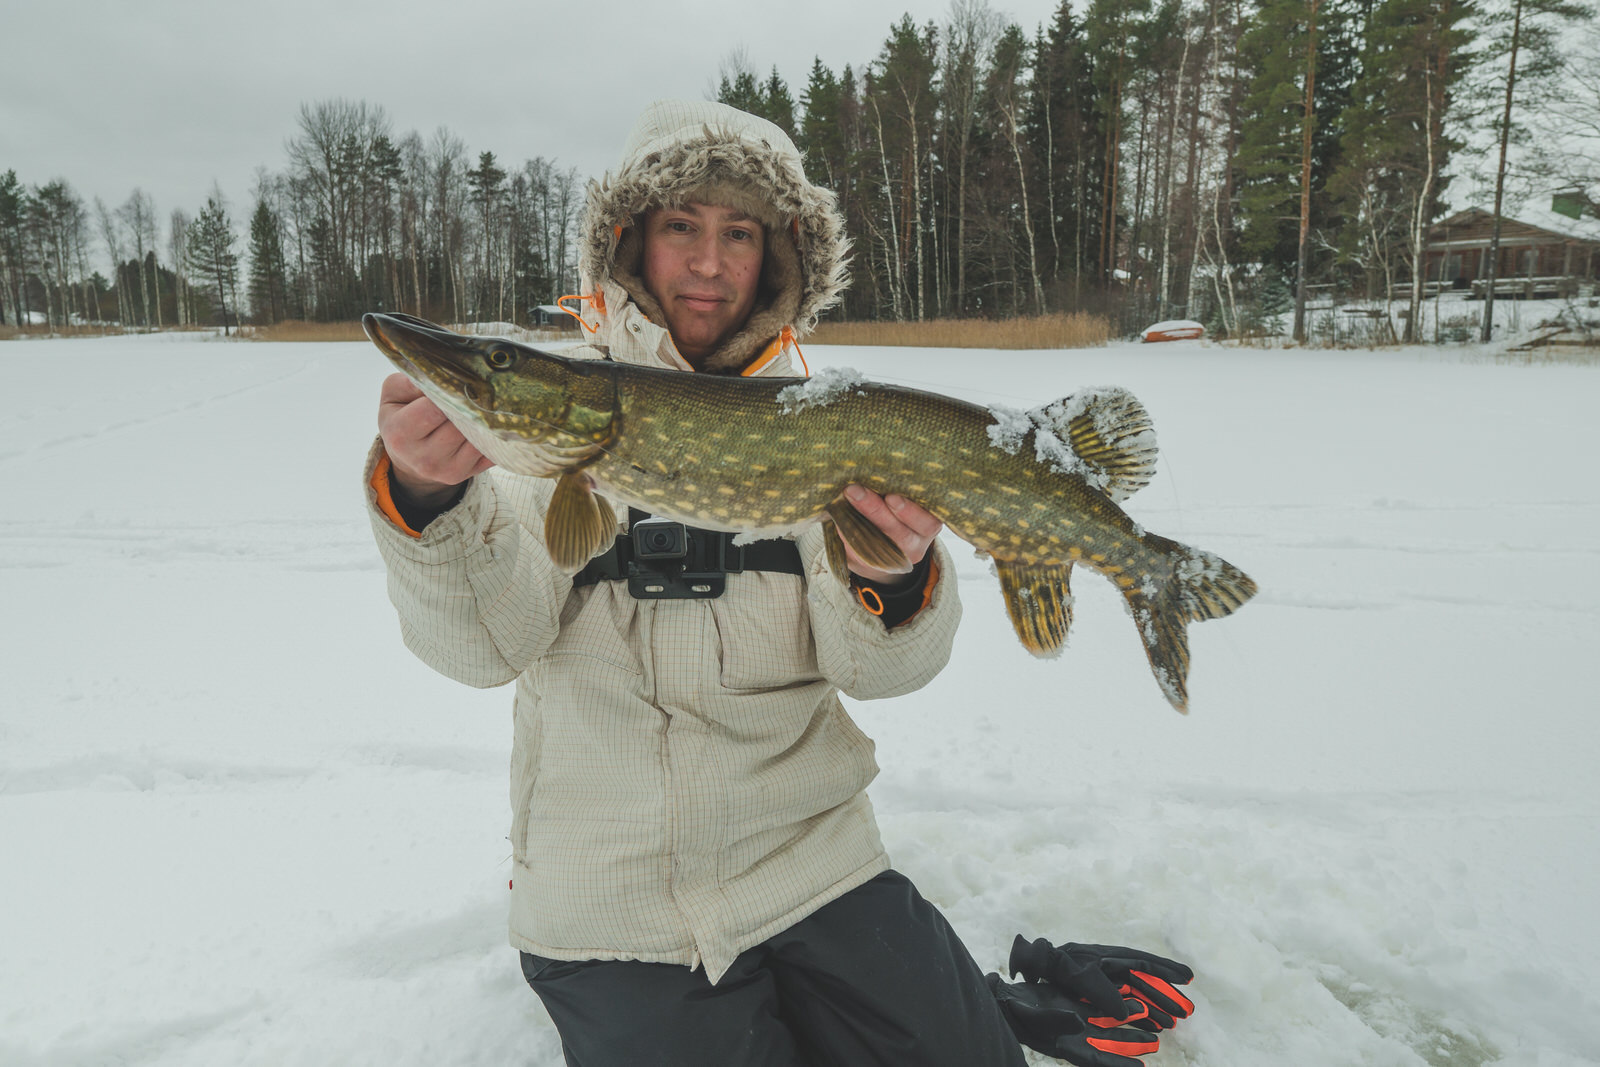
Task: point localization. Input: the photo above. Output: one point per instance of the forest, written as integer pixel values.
(1231, 161)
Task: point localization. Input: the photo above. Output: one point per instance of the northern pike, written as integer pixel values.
(1036, 491)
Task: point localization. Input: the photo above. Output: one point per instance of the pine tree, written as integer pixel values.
(1070, 138)
(777, 104)
(211, 256)
(268, 285)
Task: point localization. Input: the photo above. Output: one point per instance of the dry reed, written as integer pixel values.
(1061, 330)
(295, 330)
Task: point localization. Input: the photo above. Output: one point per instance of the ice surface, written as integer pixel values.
(240, 824)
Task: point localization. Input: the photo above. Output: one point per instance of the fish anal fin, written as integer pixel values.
(1039, 601)
(578, 524)
(1110, 433)
(872, 545)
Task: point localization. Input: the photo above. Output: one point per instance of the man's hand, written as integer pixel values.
(429, 458)
(908, 525)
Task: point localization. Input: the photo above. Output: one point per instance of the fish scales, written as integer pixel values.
(725, 449)
(1038, 492)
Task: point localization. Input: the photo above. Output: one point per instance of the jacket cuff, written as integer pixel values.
(901, 602)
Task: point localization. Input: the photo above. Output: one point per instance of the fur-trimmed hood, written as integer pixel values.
(682, 151)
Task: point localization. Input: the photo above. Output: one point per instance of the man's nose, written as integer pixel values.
(705, 256)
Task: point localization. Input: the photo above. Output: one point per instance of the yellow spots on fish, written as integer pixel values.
(758, 468)
(755, 437)
(897, 455)
(793, 472)
(972, 474)
(934, 465)
(1011, 489)
(691, 459)
(1125, 581)
(728, 490)
(732, 459)
(716, 436)
(788, 438)
(721, 513)
(917, 487)
(820, 445)
(847, 463)
(663, 468)
(655, 492)
(824, 485)
(772, 492)
(1016, 539)
(1022, 523)
(1074, 551)
(789, 509)
(987, 510)
(1098, 557)
(863, 442)
(955, 495)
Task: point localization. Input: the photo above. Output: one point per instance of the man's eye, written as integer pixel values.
(740, 235)
(677, 226)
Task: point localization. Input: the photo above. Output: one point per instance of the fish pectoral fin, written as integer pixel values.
(579, 524)
(1039, 602)
(871, 544)
(838, 562)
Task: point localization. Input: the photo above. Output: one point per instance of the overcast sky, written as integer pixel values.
(171, 95)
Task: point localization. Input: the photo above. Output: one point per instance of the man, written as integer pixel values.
(697, 874)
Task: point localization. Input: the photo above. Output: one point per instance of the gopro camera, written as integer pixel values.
(659, 539)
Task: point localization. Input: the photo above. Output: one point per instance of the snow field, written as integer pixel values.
(240, 824)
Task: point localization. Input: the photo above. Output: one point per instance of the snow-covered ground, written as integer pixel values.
(239, 824)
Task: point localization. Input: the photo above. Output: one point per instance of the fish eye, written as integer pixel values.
(499, 358)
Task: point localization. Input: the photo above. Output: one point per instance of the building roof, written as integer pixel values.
(1472, 227)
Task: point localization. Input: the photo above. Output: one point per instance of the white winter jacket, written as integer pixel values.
(684, 780)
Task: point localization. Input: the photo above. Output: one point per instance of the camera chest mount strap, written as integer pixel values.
(700, 574)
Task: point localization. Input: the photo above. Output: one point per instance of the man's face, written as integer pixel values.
(702, 264)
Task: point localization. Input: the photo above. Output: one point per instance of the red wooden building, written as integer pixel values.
(1542, 254)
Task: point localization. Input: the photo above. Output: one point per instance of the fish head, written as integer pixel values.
(497, 390)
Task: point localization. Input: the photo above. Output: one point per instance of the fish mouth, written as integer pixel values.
(427, 352)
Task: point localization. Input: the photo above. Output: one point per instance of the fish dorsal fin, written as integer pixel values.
(1110, 433)
(578, 524)
(870, 543)
(1039, 601)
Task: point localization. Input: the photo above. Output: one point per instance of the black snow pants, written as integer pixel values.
(876, 977)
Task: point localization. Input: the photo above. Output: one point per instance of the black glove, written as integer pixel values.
(1049, 1021)
(1103, 975)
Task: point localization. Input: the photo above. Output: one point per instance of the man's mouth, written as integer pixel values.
(700, 302)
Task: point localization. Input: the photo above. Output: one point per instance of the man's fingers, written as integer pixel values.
(914, 516)
(398, 390)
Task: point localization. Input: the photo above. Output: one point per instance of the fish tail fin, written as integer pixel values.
(1199, 586)
(1162, 629)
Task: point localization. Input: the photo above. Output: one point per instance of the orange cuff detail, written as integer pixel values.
(927, 586)
(380, 486)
